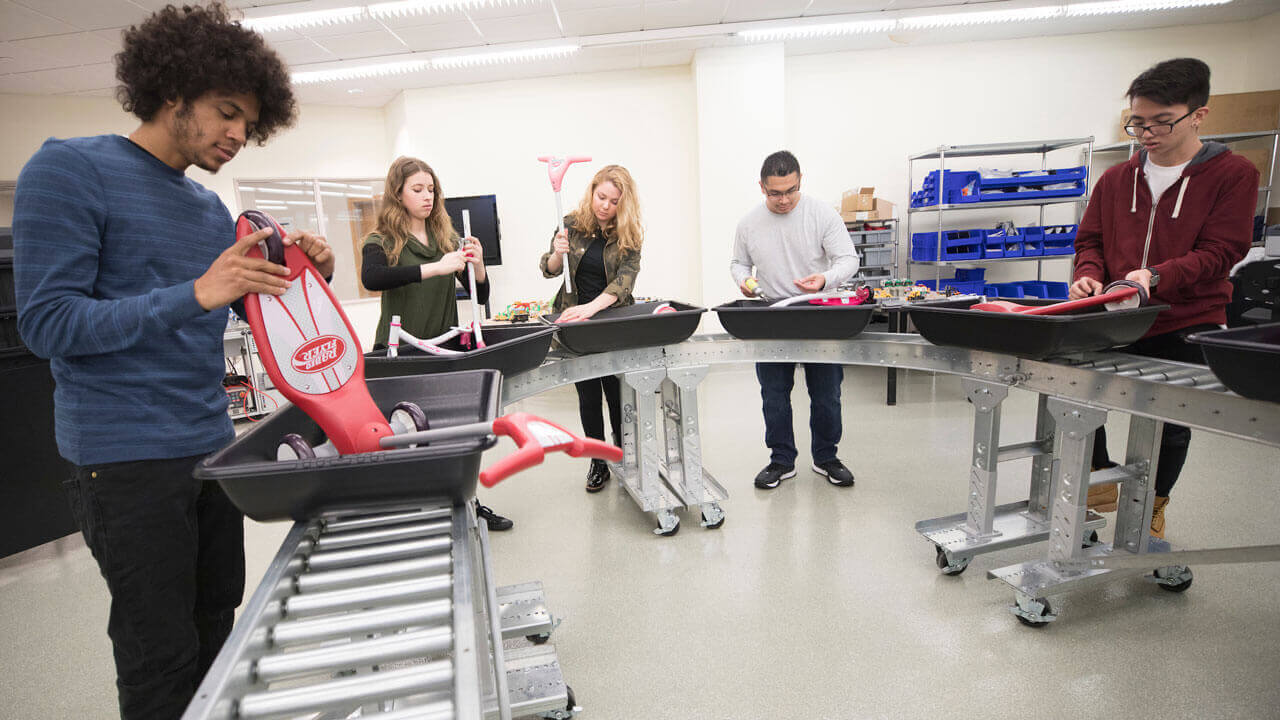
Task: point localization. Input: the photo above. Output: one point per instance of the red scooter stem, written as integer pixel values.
(535, 437)
(1111, 296)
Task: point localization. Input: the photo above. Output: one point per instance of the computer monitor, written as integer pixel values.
(484, 222)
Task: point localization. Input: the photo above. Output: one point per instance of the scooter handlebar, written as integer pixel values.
(535, 437)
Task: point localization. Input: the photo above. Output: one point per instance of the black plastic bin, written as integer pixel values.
(758, 320)
(1034, 337)
(266, 489)
(624, 328)
(1245, 359)
(509, 349)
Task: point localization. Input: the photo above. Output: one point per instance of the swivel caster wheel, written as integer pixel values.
(540, 639)
(293, 447)
(570, 710)
(1091, 540)
(668, 524)
(948, 564)
(1174, 579)
(712, 516)
(1033, 612)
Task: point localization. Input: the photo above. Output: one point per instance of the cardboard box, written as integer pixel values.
(1231, 113)
(880, 209)
(860, 200)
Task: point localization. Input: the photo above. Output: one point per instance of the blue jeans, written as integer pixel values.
(823, 381)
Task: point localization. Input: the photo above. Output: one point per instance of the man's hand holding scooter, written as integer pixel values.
(233, 275)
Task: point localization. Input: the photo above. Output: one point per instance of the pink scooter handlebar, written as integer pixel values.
(557, 166)
(535, 437)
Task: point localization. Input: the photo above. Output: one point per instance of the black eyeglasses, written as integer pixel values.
(1156, 129)
(777, 194)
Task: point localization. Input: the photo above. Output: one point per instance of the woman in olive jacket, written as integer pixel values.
(602, 238)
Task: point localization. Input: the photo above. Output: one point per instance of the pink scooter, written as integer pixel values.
(556, 168)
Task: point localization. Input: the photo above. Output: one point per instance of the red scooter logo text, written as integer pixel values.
(319, 354)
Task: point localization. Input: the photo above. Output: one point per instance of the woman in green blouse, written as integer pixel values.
(602, 239)
(412, 257)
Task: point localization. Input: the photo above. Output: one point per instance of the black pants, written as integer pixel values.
(1176, 438)
(589, 397)
(172, 552)
(825, 429)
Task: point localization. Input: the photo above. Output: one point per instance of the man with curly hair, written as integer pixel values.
(124, 269)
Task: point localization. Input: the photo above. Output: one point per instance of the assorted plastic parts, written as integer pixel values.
(759, 320)
(1033, 336)
(1246, 359)
(626, 328)
(511, 349)
(309, 347)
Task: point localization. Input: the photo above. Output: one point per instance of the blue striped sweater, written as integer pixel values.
(108, 241)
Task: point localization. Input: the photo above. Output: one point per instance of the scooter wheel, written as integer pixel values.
(293, 447)
(1143, 296)
(409, 416)
(274, 241)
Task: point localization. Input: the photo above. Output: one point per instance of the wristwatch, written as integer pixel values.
(1155, 277)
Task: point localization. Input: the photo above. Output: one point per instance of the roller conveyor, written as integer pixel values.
(373, 632)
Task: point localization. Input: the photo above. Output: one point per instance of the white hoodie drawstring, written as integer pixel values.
(1134, 207)
(1177, 207)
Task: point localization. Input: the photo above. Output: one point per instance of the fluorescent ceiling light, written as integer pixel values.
(1127, 6)
(811, 31)
(986, 17)
(315, 18)
(360, 71)
(276, 191)
(418, 7)
(507, 56)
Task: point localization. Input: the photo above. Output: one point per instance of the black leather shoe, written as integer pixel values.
(597, 476)
(496, 522)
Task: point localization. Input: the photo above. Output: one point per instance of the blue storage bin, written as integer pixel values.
(1009, 290)
(992, 246)
(1012, 244)
(1057, 290)
(958, 186)
(991, 291)
(956, 245)
(1033, 178)
(968, 287)
(1060, 243)
(1032, 241)
(1034, 288)
(964, 274)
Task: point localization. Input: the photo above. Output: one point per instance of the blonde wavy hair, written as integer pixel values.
(626, 224)
(393, 219)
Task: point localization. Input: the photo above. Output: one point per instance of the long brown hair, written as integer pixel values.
(393, 219)
(626, 224)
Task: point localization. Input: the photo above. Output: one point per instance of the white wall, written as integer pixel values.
(486, 138)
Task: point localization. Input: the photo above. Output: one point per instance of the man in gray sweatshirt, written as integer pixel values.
(794, 244)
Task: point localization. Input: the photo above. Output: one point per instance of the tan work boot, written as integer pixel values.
(1157, 517)
(1103, 498)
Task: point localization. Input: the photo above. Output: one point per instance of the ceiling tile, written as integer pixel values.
(365, 44)
(744, 10)
(833, 7)
(681, 13)
(344, 28)
(83, 15)
(17, 21)
(574, 5)
(64, 50)
(519, 29)
(670, 52)
(301, 52)
(511, 9)
(423, 38)
(603, 20)
(62, 80)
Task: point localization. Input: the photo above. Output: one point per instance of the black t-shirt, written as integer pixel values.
(590, 279)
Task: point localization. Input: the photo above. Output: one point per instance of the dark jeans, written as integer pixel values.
(823, 381)
(172, 552)
(589, 397)
(1176, 438)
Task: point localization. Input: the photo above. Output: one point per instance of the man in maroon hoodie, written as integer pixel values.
(1174, 218)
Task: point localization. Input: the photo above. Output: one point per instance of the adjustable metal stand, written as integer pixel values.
(662, 482)
(987, 527)
(393, 615)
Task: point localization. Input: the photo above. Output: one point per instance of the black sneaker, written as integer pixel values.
(835, 472)
(597, 476)
(496, 522)
(772, 474)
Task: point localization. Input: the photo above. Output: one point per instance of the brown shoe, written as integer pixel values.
(1157, 517)
(1103, 498)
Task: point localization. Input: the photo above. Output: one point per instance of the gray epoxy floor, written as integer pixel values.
(811, 601)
